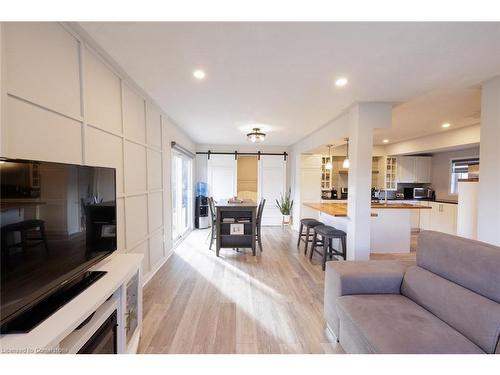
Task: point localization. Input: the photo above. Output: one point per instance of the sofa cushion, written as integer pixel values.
(476, 317)
(472, 264)
(359, 277)
(389, 323)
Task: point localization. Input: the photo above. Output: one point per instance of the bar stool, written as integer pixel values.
(308, 223)
(328, 234)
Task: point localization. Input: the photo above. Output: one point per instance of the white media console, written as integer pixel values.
(120, 290)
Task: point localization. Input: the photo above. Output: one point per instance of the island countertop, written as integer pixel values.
(340, 209)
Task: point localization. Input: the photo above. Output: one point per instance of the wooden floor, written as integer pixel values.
(237, 303)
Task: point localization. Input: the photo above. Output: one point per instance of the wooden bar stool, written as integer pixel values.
(328, 234)
(308, 223)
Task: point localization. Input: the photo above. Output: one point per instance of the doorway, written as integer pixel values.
(182, 200)
(247, 172)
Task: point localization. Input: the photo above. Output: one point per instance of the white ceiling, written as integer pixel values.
(425, 114)
(282, 74)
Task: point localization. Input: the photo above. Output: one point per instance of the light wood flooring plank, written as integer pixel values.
(238, 303)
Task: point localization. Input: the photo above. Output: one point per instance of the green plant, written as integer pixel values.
(285, 203)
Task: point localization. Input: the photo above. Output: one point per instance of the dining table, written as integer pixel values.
(236, 224)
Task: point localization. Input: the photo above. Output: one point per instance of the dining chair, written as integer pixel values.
(213, 218)
(258, 223)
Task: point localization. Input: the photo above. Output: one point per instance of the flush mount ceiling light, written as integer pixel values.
(346, 164)
(256, 136)
(341, 82)
(199, 74)
(385, 141)
(329, 165)
(446, 125)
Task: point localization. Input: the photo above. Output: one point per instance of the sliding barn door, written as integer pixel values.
(272, 183)
(221, 176)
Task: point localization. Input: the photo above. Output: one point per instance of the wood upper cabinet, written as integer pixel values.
(414, 169)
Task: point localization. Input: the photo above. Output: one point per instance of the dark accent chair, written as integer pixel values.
(213, 221)
(26, 229)
(258, 223)
(449, 302)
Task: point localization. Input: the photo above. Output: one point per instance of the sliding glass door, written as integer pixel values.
(182, 199)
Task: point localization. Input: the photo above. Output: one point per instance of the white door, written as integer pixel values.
(271, 185)
(221, 176)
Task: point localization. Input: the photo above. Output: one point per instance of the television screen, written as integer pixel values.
(56, 221)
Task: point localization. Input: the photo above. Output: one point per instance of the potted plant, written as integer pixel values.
(285, 204)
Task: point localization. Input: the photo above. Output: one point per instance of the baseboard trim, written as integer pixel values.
(332, 337)
(157, 268)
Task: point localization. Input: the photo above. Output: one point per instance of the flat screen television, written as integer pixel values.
(57, 220)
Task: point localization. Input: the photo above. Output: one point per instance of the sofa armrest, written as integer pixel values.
(359, 277)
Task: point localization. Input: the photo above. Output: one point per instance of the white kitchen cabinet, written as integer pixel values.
(425, 217)
(389, 170)
(414, 169)
(442, 217)
(415, 214)
(423, 169)
(406, 168)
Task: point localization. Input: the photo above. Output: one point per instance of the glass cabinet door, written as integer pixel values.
(390, 173)
(131, 307)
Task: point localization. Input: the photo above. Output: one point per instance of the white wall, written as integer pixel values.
(441, 170)
(489, 175)
(337, 129)
(62, 101)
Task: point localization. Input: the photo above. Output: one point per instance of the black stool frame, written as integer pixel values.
(306, 234)
(326, 244)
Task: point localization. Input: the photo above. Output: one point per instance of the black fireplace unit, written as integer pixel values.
(104, 340)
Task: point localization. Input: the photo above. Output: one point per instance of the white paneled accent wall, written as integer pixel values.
(61, 101)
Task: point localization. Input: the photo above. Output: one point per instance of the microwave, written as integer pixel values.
(423, 193)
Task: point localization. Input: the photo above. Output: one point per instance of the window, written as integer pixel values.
(459, 170)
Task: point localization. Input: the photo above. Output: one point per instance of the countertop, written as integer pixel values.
(340, 209)
(400, 200)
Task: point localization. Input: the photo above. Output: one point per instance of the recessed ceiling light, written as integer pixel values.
(199, 74)
(341, 82)
(385, 141)
(446, 125)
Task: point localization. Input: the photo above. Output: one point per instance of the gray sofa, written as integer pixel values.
(449, 302)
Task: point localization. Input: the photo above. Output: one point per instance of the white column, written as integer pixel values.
(363, 118)
(488, 229)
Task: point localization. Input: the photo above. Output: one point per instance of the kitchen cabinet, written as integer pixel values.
(423, 169)
(414, 169)
(442, 217)
(325, 173)
(415, 214)
(389, 165)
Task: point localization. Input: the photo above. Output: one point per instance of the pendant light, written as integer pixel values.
(346, 162)
(329, 164)
(256, 136)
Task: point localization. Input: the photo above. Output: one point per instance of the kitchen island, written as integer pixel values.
(390, 230)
